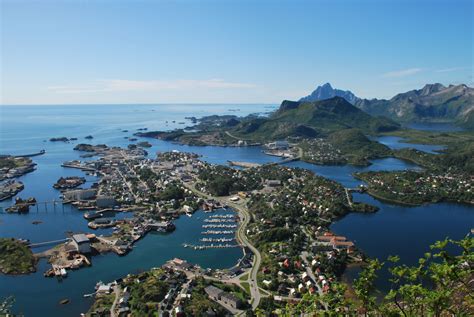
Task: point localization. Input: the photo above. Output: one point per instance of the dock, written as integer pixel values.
(77, 166)
(210, 246)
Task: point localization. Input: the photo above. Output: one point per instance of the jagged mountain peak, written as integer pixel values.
(326, 91)
(431, 88)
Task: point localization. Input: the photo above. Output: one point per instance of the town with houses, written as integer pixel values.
(281, 218)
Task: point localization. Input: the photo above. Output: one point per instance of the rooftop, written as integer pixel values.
(80, 238)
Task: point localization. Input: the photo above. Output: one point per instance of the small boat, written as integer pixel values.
(93, 215)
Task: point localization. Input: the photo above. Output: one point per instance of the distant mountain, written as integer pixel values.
(326, 92)
(311, 119)
(434, 103)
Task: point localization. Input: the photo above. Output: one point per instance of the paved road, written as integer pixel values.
(117, 292)
(242, 237)
(310, 273)
(348, 197)
(232, 136)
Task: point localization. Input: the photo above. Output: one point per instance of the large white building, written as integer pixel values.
(82, 243)
(278, 145)
(80, 194)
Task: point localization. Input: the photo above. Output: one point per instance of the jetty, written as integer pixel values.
(221, 220)
(31, 154)
(243, 164)
(210, 246)
(219, 226)
(286, 160)
(78, 165)
(216, 239)
(218, 232)
(222, 216)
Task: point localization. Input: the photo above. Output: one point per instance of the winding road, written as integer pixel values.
(242, 237)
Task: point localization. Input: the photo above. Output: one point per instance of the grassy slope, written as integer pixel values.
(313, 119)
(357, 146)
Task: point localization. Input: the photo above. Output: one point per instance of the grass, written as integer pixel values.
(432, 137)
(244, 277)
(246, 286)
(102, 303)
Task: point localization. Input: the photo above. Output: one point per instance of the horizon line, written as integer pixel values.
(140, 104)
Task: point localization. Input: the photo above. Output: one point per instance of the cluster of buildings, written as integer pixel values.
(222, 297)
(12, 167)
(417, 187)
(310, 272)
(171, 286)
(329, 242)
(175, 285)
(309, 195)
(10, 188)
(321, 151)
(69, 182)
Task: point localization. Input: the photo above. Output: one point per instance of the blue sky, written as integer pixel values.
(70, 52)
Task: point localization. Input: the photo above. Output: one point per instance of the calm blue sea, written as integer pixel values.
(406, 231)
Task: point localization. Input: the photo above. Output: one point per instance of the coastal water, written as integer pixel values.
(406, 231)
(39, 296)
(435, 126)
(396, 143)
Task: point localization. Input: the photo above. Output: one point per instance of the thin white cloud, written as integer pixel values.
(451, 69)
(402, 73)
(124, 85)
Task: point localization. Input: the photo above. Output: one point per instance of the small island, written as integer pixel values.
(16, 257)
(59, 139)
(69, 182)
(144, 144)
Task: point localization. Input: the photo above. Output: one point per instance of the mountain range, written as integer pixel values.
(432, 103)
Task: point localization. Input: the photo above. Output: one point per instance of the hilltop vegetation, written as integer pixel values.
(439, 285)
(16, 257)
(357, 147)
(312, 119)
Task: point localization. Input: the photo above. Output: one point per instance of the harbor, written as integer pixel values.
(217, 239)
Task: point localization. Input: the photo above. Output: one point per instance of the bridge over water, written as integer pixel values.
(42, 244)
(45, 207)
